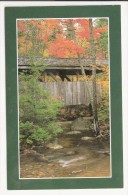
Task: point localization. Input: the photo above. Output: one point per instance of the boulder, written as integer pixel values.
(73, 133)
(81, 124)
(54, 146)
(71, 112)
(70, 153)
(88, 138)
(65, 125)
(36, 156)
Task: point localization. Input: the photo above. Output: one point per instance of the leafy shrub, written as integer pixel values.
(103, 110)
(37, 111)
(36, 104)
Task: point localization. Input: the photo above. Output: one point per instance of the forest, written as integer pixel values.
(63, 97)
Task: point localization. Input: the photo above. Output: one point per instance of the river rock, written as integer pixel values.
(70, 153)
(36, 156)
(77, 171)
(73, 133)
(86, 138)
(81, 124)
(54, 146)
(72, 112)
(39, 149)
(65, 125)
(105, 152)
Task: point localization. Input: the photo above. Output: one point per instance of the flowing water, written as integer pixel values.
(77, 158)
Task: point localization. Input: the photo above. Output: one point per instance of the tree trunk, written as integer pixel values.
(85, 82)
(93, 98)
(72, 36)
(93, 55)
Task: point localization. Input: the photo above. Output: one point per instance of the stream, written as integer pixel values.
(77, 158)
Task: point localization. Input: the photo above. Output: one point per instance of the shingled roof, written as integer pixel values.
(58, 63)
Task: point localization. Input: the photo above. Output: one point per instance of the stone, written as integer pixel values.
(42, 158)
(71, 112)
(105, 152)
(88, 138)
(70, 153)
(54, 146)
(73, 133)
(77, 171)
(36, 156)
(65, 125)
(81, 124)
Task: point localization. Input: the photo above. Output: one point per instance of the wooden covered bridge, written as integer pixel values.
(60, 70)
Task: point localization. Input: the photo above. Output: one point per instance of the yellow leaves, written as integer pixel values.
(45, 53)
(105, 85)
(21, 39)
(24, 47)
(21, 51)
(82, 42)
(103, 79)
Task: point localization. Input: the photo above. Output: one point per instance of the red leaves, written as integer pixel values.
(61, 37)
(100, 56)
(21, 26)
(83, 34)
(21, 39)
(83, 30)
(99, 31)
(65, 48)
(83, 22)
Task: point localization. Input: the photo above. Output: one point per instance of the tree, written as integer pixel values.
(71, 43)
(34, 36)
(69, 38)
(95, 115)
(37, 111)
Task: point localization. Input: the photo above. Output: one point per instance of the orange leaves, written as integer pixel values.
(59, 37)
(83, 34)
(65, 48)
(83, 22)
(47, 27)
(83, 29)
(34, 22)
(99, 31)
(21, 26)
(100, 55)
(21, 39)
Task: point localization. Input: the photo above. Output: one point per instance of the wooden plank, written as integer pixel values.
(83, 88)
(72, 93)
(78, 93)
(67, 64)
(53, 76)
(68, 93)
(58, 61)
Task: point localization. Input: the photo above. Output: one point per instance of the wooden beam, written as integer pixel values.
(77, 73)
(63, 76)
(45, 76)
(53, 76)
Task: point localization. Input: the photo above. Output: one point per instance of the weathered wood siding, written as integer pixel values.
(72, 93)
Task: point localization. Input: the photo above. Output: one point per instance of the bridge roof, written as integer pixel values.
(59, 63)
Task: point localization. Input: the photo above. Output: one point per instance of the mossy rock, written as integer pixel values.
(81, 124)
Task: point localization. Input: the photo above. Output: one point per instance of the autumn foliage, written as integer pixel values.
(58, 38)
(64, 38)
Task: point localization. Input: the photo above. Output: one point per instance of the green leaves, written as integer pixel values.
(103, 111)
(37, 111)
(40, 135)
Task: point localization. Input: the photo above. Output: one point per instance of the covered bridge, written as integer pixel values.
(70, 92)
(67, 66)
